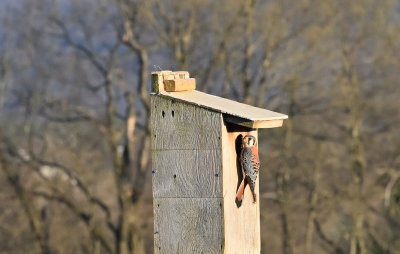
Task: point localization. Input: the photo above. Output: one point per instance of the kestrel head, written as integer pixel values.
(249, 141)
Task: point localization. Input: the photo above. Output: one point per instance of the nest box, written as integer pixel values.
(195, 168)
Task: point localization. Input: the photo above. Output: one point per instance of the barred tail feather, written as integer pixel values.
(252, 184)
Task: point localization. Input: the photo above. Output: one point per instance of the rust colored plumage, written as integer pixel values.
(250, 164)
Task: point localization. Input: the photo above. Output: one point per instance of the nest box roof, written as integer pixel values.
(179, 86)
(235, 112)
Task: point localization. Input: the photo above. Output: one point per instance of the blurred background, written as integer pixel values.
(75, 163)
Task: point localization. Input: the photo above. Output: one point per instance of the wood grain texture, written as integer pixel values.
(184, 225)
(187, 173)
(242, 224)
(195, 178)
(178, 125)
(187, 177)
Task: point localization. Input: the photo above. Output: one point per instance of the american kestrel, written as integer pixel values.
(250, 164)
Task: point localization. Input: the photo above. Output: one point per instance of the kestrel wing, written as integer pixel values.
(255, 159)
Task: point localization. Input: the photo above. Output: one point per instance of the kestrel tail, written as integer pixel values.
(253, 192)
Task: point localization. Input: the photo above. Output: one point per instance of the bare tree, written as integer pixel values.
(74, 110)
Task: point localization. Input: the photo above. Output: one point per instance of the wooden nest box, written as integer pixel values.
(195, 168)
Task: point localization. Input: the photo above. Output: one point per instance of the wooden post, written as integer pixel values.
(196, 174)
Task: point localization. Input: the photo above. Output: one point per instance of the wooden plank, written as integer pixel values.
(225, 106)
(253, 124)
(267, 124)
(179, 85)
(242, 223)
(178, 125)
(188, 225)
(187, 173)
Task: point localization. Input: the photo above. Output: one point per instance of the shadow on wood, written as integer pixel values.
(238, 145)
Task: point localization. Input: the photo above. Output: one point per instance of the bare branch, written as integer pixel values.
(324, 238)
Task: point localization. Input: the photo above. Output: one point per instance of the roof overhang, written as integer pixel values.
(234, 112)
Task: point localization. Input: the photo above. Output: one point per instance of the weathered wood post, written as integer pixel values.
(195, 170)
